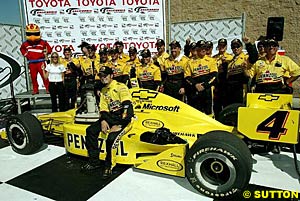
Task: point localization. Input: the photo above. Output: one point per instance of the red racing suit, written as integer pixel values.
(34, 52)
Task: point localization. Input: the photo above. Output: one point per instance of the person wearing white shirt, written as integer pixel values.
(54, 71)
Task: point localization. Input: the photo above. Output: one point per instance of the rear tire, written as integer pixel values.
(24, 133)
(219, 165)
(229, 115)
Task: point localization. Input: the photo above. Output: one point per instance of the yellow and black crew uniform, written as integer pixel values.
(117, 110)
(237, 78)
(71, 77)
(148, 74)
(174, 69)
(201, 71)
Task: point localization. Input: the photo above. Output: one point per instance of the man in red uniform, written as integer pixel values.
(35, 50)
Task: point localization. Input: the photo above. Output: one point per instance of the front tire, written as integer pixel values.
(229, 115)
(219, 165)
(24, 133)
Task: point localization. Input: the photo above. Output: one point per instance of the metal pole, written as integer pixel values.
(169, 20)
(23, 38)
(243, 24)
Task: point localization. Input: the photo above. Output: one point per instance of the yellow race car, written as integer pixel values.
(170, 137)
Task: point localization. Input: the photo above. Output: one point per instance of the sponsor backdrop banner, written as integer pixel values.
(68, 22)
(11, 61)
(210, 30)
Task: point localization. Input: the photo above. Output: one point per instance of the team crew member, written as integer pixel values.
(116, 112)
(161, 56)
(222, 59)
(237, 76)
(71, 77)
(200, 75)
(55, 72)
(148, 74)
(131, 66)
(118, 66)
(89, 64)
(269, 72)
(122, 56)
(174, 68)
(261, 49)
(103, 53)
(209, 48)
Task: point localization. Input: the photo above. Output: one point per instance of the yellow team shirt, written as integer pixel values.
(274, 71)
(113, 95)
(118, 67)
(237, 64)
(148, 72)
(124, 58)
(200, 67)
(131, 64)
(65, 62)
(176, 66)
(86, 65)
(218, 57)
(162, 58)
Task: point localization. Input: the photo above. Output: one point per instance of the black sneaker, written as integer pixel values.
(107, 172)
(90, 166)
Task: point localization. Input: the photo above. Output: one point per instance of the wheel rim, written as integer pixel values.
(215, 171)
(17, 136)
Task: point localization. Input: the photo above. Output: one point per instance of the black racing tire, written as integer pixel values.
(24, 133)
(229, 115)
(219, 165)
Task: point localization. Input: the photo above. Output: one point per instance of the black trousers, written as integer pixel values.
(234, 94)
(202, 101)
(71, 92)
(172, 89)
(57, 89)
(92, 133)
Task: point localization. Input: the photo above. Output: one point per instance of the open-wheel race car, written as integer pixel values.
(170, 137)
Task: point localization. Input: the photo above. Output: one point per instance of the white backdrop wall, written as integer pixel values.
(63, 23)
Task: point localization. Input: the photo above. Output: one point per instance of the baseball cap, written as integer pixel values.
(92, 47)
(272, 42)
(105, 70)
(160, 42)
(193, 45)
(132, 49)
(103, 50)
(113, 50)
(236, 42)
(209, 44)
(175, 43)
(83, 44)
(222, 41)
(145, 53)
(201, 43)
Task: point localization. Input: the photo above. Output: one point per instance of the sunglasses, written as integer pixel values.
(33, 34)
(235, 47)
(54, 57)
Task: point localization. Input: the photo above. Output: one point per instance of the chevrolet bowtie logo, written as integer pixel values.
(268, 97)
(144, 94)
